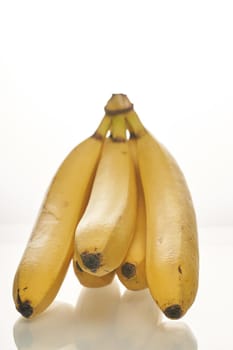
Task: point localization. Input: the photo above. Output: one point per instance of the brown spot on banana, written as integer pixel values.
(24, 307)
(118, 139)
(97, 136)
(174, 311)
(91, 260)
(128, 270)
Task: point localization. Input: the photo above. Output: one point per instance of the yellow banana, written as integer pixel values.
(90, 281)
(132, 270)
(172, 243)
(104, 233)
(50, 247)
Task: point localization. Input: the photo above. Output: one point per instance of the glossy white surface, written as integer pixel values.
(110, 318)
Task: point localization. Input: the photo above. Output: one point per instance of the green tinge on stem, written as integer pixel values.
(103, 128)
(135, 125)
(118, 128)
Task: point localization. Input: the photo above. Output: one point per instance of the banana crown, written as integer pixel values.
(119, 112)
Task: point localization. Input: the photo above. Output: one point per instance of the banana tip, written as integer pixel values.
(128, 270)
(174, 311)
(91, 260)
(24, 307)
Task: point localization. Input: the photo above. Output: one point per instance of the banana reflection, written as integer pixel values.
(51, 330)
(103, 319)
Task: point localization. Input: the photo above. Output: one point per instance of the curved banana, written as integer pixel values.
(104, 233)
(50, 247)
(132, 270)
(172, 244)
(90, 281)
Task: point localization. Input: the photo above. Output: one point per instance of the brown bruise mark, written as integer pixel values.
(97, 136)
(174, 311)
(179, 269)
(118, 139)
(66, 204)
(46, 210)
(91, 260)
(160, 240)
(24, 307)
(128, 270)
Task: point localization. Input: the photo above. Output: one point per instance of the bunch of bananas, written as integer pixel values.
(118, 205)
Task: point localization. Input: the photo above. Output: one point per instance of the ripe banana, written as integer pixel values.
(50, 247)
(132, 270)
(90, 281)
(114, 205)
(172, 243)
(105, 231)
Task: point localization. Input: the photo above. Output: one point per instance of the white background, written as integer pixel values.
(60, 61)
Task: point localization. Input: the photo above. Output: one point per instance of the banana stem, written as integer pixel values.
(135, 125)
(103, 128)
(118, 128)
(118, 104)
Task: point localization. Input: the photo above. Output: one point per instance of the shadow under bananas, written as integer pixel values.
(103, 319)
